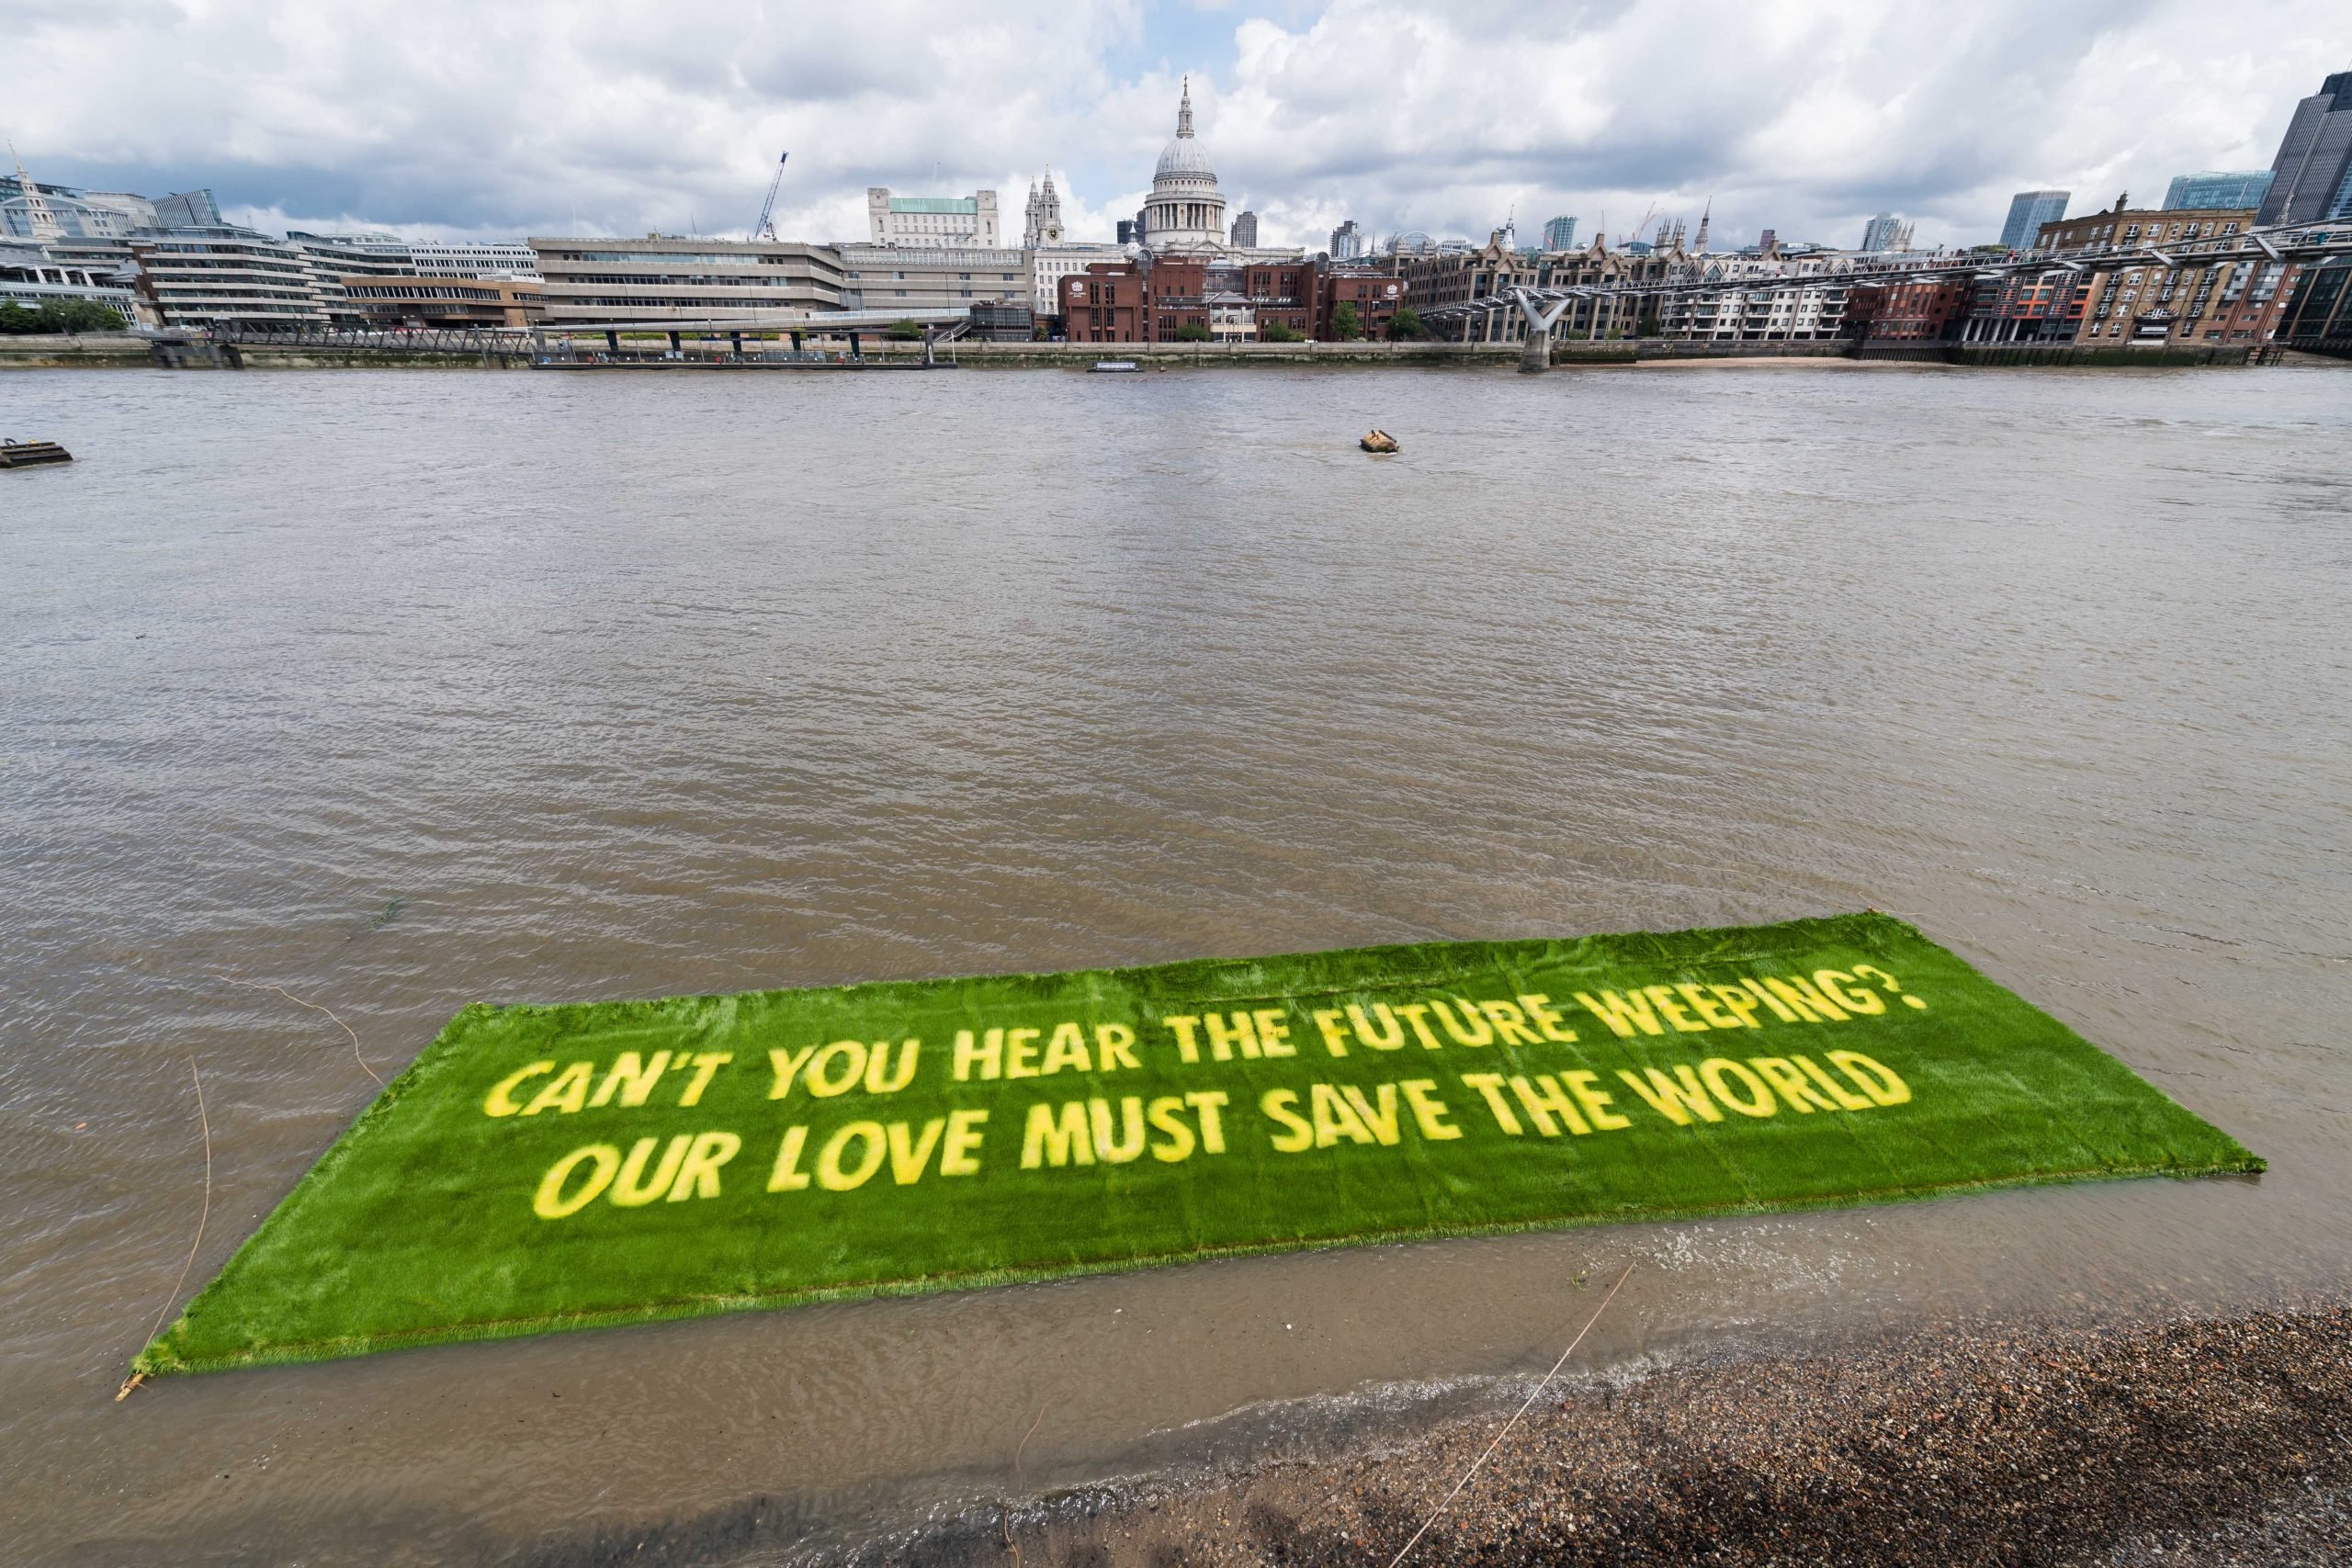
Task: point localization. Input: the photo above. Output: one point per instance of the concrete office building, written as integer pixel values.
(196, 276)
(2212, 188)
(1348, 242)
(491, 258)
(1245, 231)
(890, 277)
(966, 222)
(355, 254)
(2311, 176)
(335, 258)
(680, 281)
(375, 299)
(2028, 210)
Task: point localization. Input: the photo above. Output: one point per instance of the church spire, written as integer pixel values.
(37, 216)
(1184, 110)
(1709, 213)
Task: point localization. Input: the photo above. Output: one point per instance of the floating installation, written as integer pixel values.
(541, 1168)
(32, 453)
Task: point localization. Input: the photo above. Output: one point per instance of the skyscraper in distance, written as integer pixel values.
(2311, 176)
(1560, 233)
(1245, 231)
(1347, 241)
(2028, 210)
(2218, 190)
(1886, 233)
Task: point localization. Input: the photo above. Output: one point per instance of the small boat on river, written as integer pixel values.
(1103, 367)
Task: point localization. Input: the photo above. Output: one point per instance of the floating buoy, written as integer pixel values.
(1378, 440)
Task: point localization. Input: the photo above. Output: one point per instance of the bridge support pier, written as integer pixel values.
(1535, 354)
(796, 343)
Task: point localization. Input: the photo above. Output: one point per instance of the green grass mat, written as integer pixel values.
(543, 1168)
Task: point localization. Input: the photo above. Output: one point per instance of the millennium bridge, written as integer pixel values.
(2319, 319)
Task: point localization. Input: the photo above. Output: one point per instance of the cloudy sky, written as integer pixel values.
(504, 118)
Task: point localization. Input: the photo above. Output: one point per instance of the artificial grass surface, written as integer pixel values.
(542, 1167)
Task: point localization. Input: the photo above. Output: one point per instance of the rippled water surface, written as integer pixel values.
(401, 691)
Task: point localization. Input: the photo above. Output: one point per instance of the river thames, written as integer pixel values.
(405, 690)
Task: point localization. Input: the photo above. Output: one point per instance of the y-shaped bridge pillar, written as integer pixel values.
(1536, 355)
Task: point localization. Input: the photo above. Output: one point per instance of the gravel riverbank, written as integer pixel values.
(2212, 1442)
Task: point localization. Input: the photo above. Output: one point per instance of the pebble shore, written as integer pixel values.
(2215, 1442)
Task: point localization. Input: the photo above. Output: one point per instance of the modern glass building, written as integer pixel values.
(2028, 210)
(1560, 234)
(2311, 176)
(1885, 232)
(2218, 190)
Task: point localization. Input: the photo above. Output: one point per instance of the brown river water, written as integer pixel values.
(405, 690)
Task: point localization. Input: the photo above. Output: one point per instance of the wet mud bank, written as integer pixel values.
(2210, 1440)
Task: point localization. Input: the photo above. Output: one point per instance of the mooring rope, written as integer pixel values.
(1523, 1410)
(204, 1119)
(1004, 1515)
(265, 986)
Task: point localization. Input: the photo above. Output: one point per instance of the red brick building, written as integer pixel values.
(1104, 304)
(1375, 295)
(1154, 299)
(1925, 310)
(1176, 289)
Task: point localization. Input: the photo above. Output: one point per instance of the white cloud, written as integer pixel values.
(449, 116)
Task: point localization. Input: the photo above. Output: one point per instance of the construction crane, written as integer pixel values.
(766, 230)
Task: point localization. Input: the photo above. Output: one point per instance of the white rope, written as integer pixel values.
(265, 986)
(1523, 1410)
(205, 1120)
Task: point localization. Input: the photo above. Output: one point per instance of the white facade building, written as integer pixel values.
(966, 222)
(1054, 263)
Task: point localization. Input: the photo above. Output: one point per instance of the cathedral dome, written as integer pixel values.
(1185, 156)
(1185, 209)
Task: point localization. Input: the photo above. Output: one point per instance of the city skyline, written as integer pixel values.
(640, 118)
